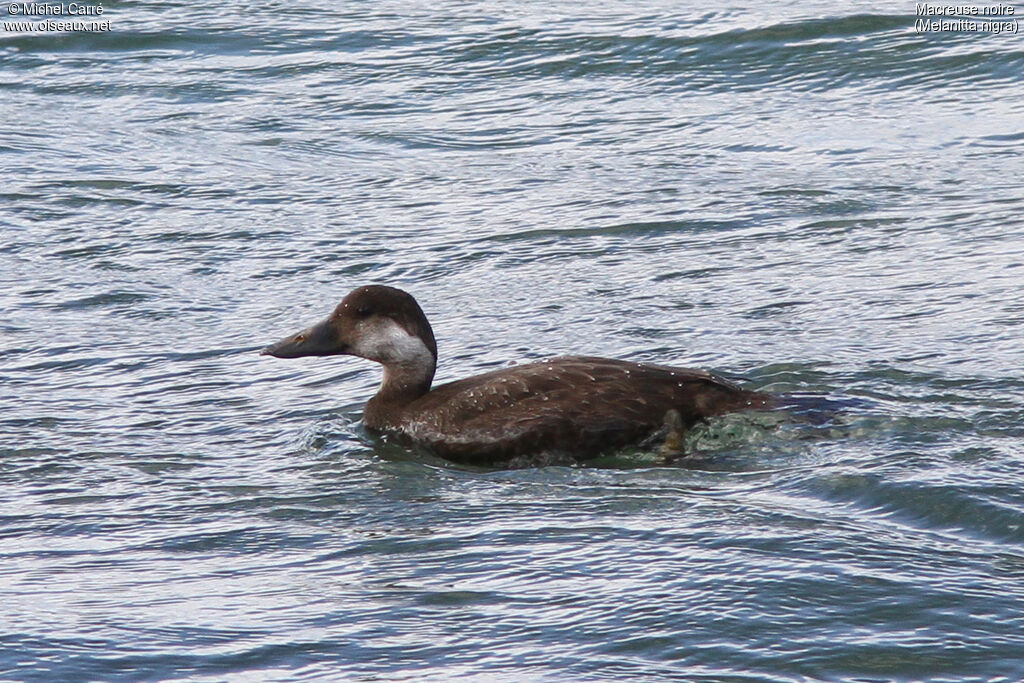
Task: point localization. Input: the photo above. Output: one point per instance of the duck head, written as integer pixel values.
(379, 323)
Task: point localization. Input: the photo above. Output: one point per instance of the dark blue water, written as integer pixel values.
(814, 198)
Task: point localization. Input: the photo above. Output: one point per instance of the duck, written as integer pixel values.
(576, 406)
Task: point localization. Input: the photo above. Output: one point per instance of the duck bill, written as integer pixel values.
(321, 339)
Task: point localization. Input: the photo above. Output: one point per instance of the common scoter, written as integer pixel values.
(579, 406)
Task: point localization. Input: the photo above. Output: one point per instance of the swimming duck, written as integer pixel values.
(580, 406)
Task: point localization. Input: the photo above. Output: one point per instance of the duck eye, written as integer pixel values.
(364, 312)
(300, 338)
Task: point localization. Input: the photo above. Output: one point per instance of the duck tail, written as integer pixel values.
(816, 409)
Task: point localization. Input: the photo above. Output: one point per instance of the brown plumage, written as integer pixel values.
(576, 405)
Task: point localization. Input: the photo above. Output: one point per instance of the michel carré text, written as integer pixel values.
(75, 9)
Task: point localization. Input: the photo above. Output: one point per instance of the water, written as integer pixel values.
(813, 200)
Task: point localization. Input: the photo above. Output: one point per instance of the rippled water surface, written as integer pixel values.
(812, 198)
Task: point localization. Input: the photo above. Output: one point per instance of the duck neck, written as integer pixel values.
(403, 383)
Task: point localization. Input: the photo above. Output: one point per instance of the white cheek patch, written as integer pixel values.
(385, 341)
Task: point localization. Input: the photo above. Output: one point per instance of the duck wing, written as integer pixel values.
(578, 405)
